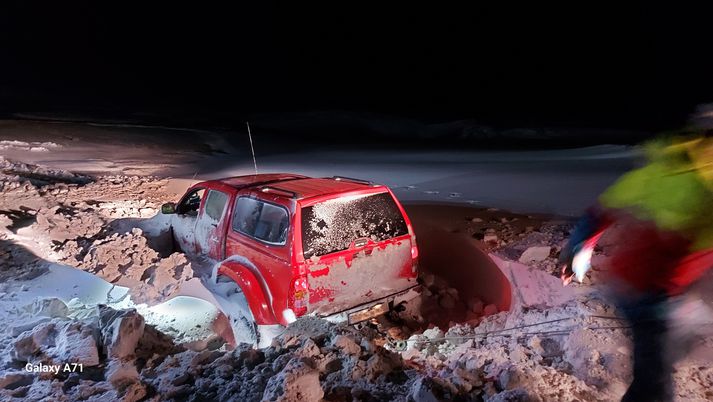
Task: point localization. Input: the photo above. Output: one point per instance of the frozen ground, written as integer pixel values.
(84, 278)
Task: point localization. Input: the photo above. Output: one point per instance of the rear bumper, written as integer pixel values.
(391, 300)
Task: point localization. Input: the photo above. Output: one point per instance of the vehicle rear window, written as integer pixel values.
(261, 220)
(333, 225)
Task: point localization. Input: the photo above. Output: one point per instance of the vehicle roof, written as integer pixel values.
(259, 179)
(312, 187)
(303, 186)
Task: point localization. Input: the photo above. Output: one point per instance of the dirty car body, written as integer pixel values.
(338, 248)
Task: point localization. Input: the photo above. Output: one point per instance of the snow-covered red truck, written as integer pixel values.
(288, 245)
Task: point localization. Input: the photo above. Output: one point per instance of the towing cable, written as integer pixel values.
(402, 345)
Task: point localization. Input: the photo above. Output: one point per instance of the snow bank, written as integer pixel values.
(128, 260)
(36, 174)
(541, 358)
(28, 146)
(67, 218)
(108, 346)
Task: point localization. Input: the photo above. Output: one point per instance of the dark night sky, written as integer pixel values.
(578, 63)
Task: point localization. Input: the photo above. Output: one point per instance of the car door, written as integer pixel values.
(211, 225)
(261, 234)
(183, 223)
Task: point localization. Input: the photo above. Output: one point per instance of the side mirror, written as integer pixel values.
(168, 208)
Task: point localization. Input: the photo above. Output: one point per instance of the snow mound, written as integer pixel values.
(111, 345)
(552, 354)
(28, 146)
(58, 342)
(299, 380)
(35, 174)
(307, 362)
(61, 224)
(128, 260)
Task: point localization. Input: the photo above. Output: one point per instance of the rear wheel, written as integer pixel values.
(245, 330)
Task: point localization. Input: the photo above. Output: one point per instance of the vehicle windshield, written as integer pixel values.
(333, 225)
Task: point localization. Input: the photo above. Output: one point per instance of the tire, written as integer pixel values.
(242, 323)
(244, 330)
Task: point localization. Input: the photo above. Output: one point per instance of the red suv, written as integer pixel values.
(291, 245)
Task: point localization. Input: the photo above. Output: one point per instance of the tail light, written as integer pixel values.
(414, 258)
(298, 299)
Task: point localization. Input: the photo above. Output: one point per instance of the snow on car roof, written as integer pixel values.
(259, 179)
(303, 186)
(311, 187)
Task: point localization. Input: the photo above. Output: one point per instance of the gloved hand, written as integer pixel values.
(591, 222)
(565, 262)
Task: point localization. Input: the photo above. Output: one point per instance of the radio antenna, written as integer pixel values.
(252, 149)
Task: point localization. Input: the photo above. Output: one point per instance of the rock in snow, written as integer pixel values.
(121, 331)
(490, 238)
(490, 309)
(60, 342)
(119, 373)
(423, 391)
(535, 254)
(50, 307)
(298, 381)
(347, 345)
(447, 301)
(476, 305)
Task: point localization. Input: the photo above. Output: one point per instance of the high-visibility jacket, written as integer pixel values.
(664, 237)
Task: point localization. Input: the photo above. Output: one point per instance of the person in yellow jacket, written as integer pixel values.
(660, 218)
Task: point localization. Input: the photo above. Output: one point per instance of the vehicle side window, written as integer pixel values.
(190, 203)
(261, 220)
(215, 204)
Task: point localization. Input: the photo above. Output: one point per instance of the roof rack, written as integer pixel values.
(278, 191)
(360, 181)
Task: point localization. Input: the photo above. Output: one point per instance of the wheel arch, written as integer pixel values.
(257, 297)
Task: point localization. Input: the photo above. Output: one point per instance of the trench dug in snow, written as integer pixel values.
(457, 259)
(467, 268)
(459, 263)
